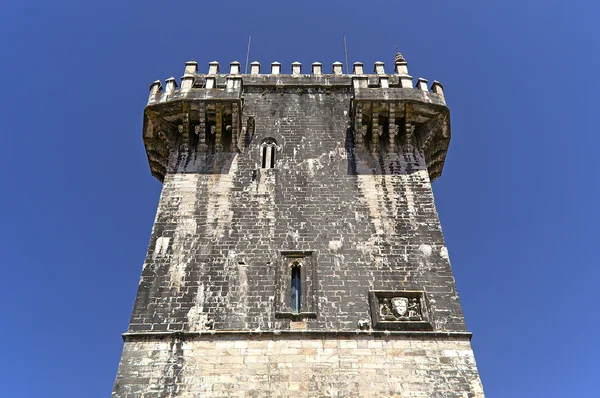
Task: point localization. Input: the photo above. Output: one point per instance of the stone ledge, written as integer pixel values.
(129, 336)
(295, 316)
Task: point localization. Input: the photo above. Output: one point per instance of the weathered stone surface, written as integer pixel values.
(348, 200)
(286, 366)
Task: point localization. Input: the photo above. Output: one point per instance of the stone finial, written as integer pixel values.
(437, 88)
(357, 69)
(379, 68)
(234, 82)
(406, 81)
(211, 82)
(234, 68)
(255, 68)
(156, 87)
(337, 68)
(422, 84)
(275, 68)
(317, 68)
(191, 67)
(296, 68)
(401, 68)
(187, 81)
(360, 81)
(213, 68)
(400, 65)
(384, 82)
(171, 85)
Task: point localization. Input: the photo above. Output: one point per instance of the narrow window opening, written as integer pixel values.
(272, 148)
(264, 156)
(268, 150)
(296, 288)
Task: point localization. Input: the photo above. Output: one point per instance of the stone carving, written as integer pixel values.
(414, 310)
(400, 309)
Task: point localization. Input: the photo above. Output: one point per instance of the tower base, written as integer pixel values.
(299, 364)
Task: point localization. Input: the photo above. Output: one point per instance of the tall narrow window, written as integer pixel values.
(268, 151)
(264, 156)
(295, 273)
(296, 288)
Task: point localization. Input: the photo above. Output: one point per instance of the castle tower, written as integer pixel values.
(296, 249)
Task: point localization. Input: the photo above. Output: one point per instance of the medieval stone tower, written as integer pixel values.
(296, 250)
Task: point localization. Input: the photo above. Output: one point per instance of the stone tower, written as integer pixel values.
(296, 249)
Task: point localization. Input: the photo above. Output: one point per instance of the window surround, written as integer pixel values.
(305, 261)
(268, 153)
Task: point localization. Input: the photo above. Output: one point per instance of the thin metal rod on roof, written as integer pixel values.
(346, 52)
(247, 55)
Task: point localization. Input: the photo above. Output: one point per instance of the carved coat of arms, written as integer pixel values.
(400, 309)
(400, 305)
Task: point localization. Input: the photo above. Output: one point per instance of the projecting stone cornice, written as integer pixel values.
(315, 334)
(205, 114)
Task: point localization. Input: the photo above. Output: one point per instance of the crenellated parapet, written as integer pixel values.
(192, 118)
(391, 115)
(203, 112)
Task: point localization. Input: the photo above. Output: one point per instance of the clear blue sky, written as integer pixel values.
(518, 199)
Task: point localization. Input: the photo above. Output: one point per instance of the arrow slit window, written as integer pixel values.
(296, 283)
(296, 288)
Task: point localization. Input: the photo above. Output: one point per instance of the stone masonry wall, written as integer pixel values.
(284, 366)
(368, 220)
(211, 316)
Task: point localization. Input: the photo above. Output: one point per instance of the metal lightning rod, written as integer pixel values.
(346, 52)
(247, 55)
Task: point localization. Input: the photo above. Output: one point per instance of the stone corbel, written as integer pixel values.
(426, 132)
(392, 126)
(375, 131)
(409, 128)
(219, 127)
(234, 127)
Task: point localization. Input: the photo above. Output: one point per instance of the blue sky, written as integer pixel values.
(518, 199)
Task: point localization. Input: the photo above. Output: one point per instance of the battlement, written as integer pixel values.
(389, 112)
(216, 85)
